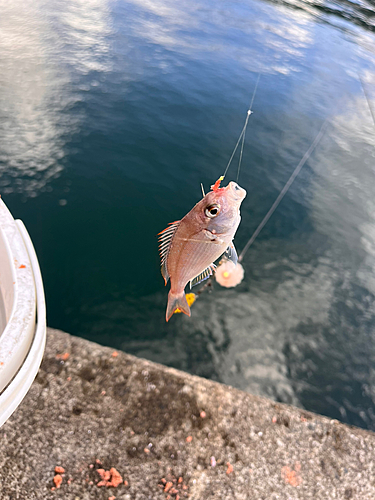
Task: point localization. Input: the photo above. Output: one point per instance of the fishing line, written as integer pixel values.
(285, 189)
(242, 134)
(367, 99)
(243, 141)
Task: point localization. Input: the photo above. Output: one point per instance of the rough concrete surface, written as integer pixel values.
(170, 436)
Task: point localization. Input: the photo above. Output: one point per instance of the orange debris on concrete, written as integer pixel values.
(291, 476)
(168, 486)
(109, 477)
(57, 480)
(63, 356)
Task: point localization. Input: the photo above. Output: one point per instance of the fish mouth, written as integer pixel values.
(238, 192)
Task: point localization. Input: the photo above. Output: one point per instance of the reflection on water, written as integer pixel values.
(112, 113)
(36, 85)
(341, 13)
(86, 27)
(29, 129)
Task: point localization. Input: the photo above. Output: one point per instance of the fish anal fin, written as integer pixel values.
(203, 275)
(165, 240)
(231, 253)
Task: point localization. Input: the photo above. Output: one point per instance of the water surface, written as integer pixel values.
(112, 113)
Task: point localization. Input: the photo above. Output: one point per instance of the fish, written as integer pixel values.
(189, 247)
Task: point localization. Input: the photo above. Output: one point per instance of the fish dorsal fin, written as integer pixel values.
(231, 254)
(165, 240)
(203, 275)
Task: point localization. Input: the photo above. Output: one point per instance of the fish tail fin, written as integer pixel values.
(177, 301)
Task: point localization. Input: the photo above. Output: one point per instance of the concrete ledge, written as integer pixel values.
(162, 429)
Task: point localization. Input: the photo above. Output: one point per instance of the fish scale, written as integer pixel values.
(201, 258)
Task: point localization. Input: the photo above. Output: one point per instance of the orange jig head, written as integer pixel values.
(216, 186)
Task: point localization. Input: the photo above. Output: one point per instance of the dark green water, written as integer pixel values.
(112, 113)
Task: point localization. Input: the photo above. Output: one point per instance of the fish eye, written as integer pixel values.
(212, 211)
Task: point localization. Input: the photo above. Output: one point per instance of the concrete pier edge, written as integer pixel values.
(119, 427)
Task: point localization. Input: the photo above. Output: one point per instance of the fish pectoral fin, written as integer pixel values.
(203, 275)
(213, 237)
(231, 253)
(165, 240)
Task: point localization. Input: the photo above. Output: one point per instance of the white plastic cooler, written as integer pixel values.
(22, 313)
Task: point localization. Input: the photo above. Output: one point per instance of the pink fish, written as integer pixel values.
(189, 247)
